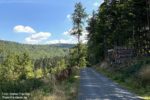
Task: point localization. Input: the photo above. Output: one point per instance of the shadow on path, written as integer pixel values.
(94, 86)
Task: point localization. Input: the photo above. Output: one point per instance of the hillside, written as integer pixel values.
(35, 51)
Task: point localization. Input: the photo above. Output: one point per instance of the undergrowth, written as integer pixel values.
(61, 90)
(134, 77)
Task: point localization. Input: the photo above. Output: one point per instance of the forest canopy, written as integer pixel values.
(34, 51)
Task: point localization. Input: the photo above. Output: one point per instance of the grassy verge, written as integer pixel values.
(128, 82)
(64, 90)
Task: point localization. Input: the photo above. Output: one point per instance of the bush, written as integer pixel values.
(20, 86)
(38, 73)
(144, 74)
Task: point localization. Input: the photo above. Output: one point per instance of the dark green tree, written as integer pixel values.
(121, 23)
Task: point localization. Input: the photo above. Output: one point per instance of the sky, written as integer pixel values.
(40, 21)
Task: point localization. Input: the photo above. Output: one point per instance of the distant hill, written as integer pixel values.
(35, 51)
(62, 45)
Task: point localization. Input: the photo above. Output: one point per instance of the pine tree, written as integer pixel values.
(78, 20)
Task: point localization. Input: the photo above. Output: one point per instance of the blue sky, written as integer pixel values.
(40, 21)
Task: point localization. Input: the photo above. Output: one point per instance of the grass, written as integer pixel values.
(63, 90)
(128, 82)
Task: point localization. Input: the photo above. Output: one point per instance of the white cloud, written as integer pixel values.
(65, 41)
(68, 32)
(37, 38)
(89, 16)
(72, 38)
(28, 40)
(34, 37)
(23, 29)
(84, 36)
(69, 17)
(96, 4)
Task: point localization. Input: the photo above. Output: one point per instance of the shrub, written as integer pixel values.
(104, 64)
(144, 74)
(38, 73)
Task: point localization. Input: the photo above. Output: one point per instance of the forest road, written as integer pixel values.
(94, 86)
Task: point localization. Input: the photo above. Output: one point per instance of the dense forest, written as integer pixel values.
(23, 66)
(35, 51)
(119, 23)
(116, 29)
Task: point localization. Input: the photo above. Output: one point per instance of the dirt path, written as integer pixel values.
(94, 86)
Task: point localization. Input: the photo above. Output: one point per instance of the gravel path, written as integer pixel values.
(94, 86)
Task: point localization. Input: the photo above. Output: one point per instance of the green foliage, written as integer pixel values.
(34, 51)
(9, 67)
(73, 58)
(134, 77)
(78, 53)
(18, 73)
(78, 16)
(38, 73)
(116, 24)
(51, 65)
(20, 86)
(1, 72)
(80, 59)
(27, 66)
(61, 64)
(17, 66)
(83, 55)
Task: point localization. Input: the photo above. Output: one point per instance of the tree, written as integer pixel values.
(122, 23)
(78, 20)
(25, 66)
(83, 55)
(78, 16)
(78, 60)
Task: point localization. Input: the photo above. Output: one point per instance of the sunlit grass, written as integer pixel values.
(64, 90)
(146, 97)
(77, 77)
